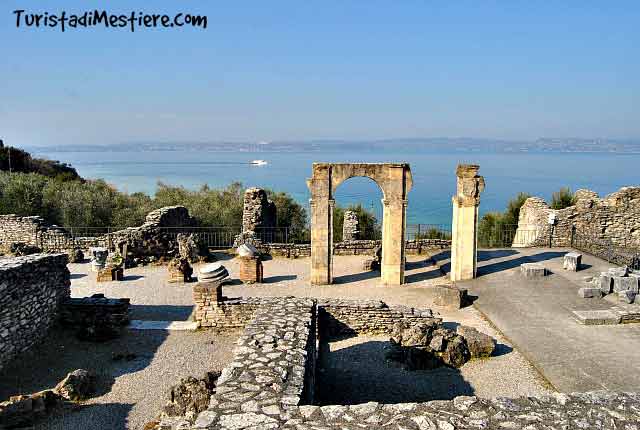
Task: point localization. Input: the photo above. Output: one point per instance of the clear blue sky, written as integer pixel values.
(287, 70)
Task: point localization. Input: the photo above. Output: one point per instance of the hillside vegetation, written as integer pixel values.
(18, 160)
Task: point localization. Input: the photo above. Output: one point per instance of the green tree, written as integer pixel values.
(562, 199)
(497, 229)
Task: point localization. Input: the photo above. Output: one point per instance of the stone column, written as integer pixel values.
(321, 240)
(393, 232)
(464, 243)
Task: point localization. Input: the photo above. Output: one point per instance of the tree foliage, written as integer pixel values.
(562, 199)
(18, 160)
(497, 229)
(367, 222)
(97, 204)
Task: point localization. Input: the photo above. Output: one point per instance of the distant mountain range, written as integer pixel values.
(462, 144)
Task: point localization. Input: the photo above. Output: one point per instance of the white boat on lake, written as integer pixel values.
(259, 162)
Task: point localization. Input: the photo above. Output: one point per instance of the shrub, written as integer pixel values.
(497, 229)
(562, 199)
(97, 204)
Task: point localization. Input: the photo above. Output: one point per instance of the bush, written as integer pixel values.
(98, 204)
(497, 229)
(562, 199)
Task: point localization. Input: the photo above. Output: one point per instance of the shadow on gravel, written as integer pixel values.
(101, 416)
(47, 363)
(345, 279)
(501, 266)
(422, 276)
(360, 374)
(281, 278)
(161, 312)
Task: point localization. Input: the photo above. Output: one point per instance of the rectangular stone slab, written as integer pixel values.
(533, 270)
(603, 317)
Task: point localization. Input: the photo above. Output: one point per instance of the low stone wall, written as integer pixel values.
(615, 218)
(33, 230)
(271, 374)
(31, 290)
(270, 384)
(352, 247)
(339, 317)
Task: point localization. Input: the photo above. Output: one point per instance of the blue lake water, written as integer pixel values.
(433, 174)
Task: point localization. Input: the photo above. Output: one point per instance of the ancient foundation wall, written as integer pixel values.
(614, 218)
(270, 383)
(339, 317)
(31, 291)
(353, 247)
(32, 230)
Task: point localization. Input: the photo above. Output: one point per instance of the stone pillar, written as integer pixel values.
(350, 226)
(393, 236)
(464, 243)
(321, 240)
(258, 211)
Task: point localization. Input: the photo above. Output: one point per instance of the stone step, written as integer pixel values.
(163, 325)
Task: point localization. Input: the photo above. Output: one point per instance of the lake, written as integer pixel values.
(434, 178)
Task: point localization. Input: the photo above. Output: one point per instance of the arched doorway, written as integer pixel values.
(394, 179)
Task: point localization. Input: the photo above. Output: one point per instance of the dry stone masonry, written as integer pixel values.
(269, 385)
(31, 291)
(350, 226)
(615, 218)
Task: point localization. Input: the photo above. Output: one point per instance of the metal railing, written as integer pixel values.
(428, 231)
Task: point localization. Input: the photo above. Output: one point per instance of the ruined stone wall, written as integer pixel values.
(32, 230)
(348, 317)
(31, 291)
(157, 237)
(270, 383)
(350, 228)
(354, 247)
(615, 218)
(258, 211)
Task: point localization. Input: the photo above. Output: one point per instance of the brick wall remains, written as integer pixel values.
(31, 291)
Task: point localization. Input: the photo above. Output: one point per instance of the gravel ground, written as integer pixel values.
(355, 371)
(130, 393)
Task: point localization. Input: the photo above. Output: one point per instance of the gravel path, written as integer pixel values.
(130, 393)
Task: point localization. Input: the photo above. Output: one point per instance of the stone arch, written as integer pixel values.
(395, 181)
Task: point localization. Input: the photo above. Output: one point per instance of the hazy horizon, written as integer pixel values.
(290, 71)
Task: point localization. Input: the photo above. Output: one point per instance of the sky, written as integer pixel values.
(300, 70)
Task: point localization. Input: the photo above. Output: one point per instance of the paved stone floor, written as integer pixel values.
(536, 316)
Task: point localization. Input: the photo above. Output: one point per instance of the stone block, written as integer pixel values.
(533, 270)
(370, 264)
(572, 261)
(627, 296)
(605, 282)
(619, 271)
(251, 270)
(450, 296)
(589, 292)
(625, 284)
(602, 317)
(108, 274)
